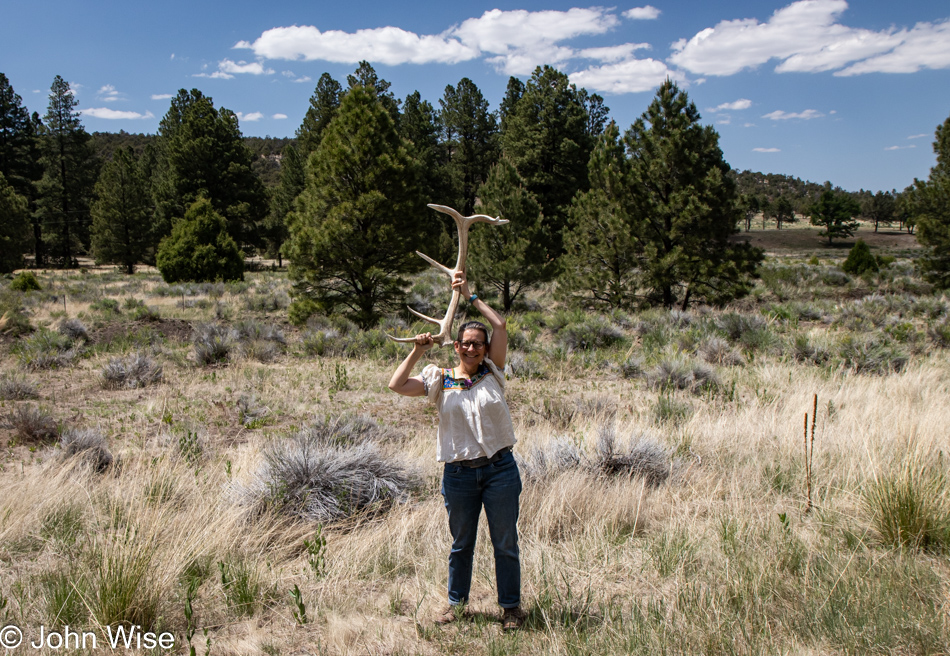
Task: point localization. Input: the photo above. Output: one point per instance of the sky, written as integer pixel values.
(819, 89)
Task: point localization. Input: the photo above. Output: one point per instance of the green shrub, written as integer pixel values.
(860, 260)
(200, 248)
(25, 281)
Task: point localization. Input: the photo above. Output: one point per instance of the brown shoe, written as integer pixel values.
(512, 619)
(451, 614)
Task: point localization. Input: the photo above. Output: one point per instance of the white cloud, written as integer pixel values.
(253, 116)
(108, 93)
(161, 96)
(779, 115)
(112, 114)
(217, 75)
(808, 37)
(631, 76)
(172, 57)
(386, 45)
(925, 46)
(515, 41)
(279, 117)
(918, 136)
(736, 105)
(305, 78)
(900, 147)
(253, 68)
(766, 150)
(612, 53)
(642, 13)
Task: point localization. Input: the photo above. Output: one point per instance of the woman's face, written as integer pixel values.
(471, 350)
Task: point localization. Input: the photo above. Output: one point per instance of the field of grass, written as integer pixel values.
(182, 459)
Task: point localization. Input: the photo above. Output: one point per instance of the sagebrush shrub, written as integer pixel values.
(316, 482)
(73, 329)
(87, 444)
(213, 343)
(592, 332)
(17, 388)
(32, 424)
(642, 457)
(137, 370)
(681, 374)
(46, 349)
(716, 350)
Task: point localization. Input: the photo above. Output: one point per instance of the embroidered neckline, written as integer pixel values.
(450, 382)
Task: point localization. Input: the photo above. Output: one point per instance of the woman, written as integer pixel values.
(474, 441)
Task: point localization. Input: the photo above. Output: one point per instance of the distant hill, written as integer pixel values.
(266, 150)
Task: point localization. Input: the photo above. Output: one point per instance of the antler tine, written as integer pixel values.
(463, 223)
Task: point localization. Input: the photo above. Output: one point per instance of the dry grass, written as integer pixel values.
(717, 556)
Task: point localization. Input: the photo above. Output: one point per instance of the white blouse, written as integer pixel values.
(473, 421)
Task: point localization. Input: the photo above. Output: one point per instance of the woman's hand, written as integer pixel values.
(423, 342)
(461, 283)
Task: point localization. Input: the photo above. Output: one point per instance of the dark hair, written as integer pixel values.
(472, 325)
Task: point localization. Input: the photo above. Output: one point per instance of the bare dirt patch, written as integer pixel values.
(805, 238)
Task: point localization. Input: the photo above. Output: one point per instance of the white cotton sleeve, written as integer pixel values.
(496, 372)
(432, 379)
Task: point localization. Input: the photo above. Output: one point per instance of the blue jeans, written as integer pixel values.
(497, 486)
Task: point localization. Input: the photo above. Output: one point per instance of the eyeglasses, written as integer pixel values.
(474, 345)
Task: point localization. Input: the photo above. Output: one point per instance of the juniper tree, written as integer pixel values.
(121, 212)
(199, 249)
(359, 218)
(69, 175)
(509, 258)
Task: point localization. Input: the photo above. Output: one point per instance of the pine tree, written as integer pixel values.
(685, 207)
(546, 137)
(783, 211)
(20, 161)
(365, 76)
(420, 125)
(121, 212)
(292, 180)
(600, 265)
(470, 134)
(15, 236)
(508, 258)
(660, 215)
(835, 212)
(324, 104)
(360, 216)
(199, 249)
(932, 202)
(69, 175)
(202, 154)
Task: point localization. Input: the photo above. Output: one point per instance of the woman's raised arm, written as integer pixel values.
(401, 383)
(498, 347)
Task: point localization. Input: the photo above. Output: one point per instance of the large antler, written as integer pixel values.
(463, 223)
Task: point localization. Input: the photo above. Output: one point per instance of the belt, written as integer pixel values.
(484, 460)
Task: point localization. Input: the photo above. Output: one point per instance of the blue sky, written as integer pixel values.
(819, 89)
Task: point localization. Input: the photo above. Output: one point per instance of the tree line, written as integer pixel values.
(632, 219)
